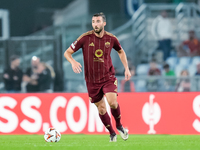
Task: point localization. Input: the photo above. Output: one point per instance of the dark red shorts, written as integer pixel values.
(96, 91)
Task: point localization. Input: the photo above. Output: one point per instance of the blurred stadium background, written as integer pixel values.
(47, 28)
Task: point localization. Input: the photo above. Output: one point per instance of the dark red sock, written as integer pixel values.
(117, 115)
(106, 121)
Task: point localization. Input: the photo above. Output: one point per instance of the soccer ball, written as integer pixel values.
(52, 135)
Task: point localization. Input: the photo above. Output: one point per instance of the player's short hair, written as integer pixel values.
(100, 14)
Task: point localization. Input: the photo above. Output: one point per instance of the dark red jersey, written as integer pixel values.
(96, 53)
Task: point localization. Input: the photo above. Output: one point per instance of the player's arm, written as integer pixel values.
(76, 66)
(123, 58)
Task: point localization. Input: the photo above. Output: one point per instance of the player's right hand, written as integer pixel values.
(76, 66)
(127, 74)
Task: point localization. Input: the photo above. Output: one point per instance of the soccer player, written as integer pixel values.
(99, 71)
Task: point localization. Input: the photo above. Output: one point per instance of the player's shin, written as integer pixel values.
(117, 115)
(107, 123)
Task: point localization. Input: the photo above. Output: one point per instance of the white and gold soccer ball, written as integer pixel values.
(52, 135)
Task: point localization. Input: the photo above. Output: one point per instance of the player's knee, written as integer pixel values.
(102, 110)
(113, 104)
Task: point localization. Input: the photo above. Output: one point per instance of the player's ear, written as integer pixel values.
(104, 23)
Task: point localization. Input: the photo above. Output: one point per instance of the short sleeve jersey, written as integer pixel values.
(98, 65)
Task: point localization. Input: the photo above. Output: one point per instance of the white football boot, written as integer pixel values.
(123, 132)
(113, 138)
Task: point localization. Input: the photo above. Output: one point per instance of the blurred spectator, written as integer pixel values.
(128, 85)
(31, 76)
(52, 72)
(13, 76)
(167, 70)
(169, 84)
(190, 47)
(162, 31)
(45, 79)
(198, 70)
(153, 83)
(183, 84)
(197, 79)
(56, 78)
(153, 70)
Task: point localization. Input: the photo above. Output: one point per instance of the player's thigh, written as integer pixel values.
(110, 90)
(101, 106)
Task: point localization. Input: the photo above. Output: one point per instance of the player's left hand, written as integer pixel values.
(127, 74)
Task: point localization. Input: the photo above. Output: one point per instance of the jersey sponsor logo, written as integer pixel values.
(98, 53)
(99, 59)
(73, 44)
(91, 44)
(107, 44)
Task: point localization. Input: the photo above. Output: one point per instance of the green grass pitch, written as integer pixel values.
(101, 142)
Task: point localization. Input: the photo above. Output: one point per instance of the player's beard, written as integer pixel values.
(98, 31)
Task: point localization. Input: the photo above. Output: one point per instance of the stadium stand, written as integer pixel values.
(192, 70)
(172, 61)
(142, 69)
(140, 86)
(134, 36)
(184, 61)
(195, 60)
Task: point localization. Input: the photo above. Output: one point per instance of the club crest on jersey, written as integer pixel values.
(107, 44)
(73, 44)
